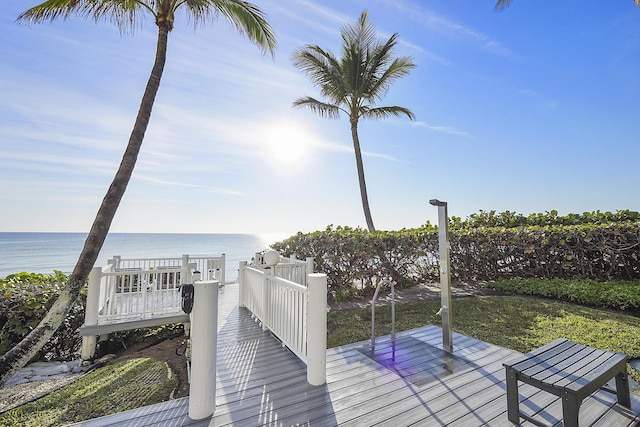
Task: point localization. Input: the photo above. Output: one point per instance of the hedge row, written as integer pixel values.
(355, 260)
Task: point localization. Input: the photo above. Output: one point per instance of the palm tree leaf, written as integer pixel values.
(126, 14)
(386, 112)
(323, 109)
(247, 18)
(323, 69)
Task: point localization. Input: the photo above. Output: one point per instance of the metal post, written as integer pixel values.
(204, 338)
(445, 277)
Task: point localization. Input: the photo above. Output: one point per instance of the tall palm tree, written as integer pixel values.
(353, 83)
(247, 18)
(505, 3)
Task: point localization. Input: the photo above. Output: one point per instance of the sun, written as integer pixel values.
(287, 146)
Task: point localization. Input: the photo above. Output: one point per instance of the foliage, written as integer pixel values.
(508, 219)
(516, 322)
(485, 247)
(614, 295)
(111, 389)
(24, 300)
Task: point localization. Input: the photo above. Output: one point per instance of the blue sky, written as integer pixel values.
(531, 109)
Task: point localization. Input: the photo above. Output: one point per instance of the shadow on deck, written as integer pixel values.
(412, 382)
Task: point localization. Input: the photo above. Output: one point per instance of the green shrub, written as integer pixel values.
(485, 247)
(25, 298)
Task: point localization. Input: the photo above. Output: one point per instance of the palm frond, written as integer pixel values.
(323, 109)
(126, 14)
(323, 69)
(359, 78)
(503, 4)
(385, 112)
(400, 67)
(246, 17)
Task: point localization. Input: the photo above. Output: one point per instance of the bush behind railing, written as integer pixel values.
(598, 246)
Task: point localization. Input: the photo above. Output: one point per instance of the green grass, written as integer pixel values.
(615, 295)
(113, 388)
(516, 322)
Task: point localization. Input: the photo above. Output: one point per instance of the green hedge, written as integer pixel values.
(24, 300)
(598, 246)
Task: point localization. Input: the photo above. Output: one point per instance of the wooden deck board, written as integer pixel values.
(414, 383)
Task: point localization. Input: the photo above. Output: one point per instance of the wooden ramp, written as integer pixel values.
(413, 382)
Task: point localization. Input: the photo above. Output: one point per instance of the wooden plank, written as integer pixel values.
(149, 322)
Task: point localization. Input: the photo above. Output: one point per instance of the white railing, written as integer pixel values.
(289, 268)
(135, 293)
(140, 291)
(130, 289)
(295, 313)
(211, 268)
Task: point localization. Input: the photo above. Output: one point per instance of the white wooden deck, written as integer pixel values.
(411, 383)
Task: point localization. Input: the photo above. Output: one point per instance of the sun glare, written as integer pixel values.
(287, 146)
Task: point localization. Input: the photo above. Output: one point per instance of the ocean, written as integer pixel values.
(45, 252)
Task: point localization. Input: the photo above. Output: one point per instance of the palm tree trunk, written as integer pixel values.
(361, 180)
(23, 352)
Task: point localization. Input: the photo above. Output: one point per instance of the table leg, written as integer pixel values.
(570, 406)
(622, 389)
(512, 396)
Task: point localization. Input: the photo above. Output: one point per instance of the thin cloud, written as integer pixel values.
(441, 24)
(540, 100)
(442, 129)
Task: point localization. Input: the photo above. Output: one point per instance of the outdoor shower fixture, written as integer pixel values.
(445, 278)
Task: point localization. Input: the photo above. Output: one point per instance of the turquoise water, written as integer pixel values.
(45, 252)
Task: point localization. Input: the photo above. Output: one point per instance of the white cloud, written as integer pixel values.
(442, 129)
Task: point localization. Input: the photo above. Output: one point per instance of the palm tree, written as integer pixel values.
(505, 3)
(247, 18)
(353, 83)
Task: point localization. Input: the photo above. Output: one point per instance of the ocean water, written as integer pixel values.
(45, 252)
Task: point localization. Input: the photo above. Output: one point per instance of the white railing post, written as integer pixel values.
(266, 309)
(204, 337)
(91, 312)
(317, 329)
(241, 283)
(310, 265)
(223, 269)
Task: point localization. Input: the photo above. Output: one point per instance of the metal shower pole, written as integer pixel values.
(445, 277)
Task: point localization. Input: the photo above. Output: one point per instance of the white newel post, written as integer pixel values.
(317, 329)
(204, 337)
(223, 269)
(266, 308)
(241, 285)
(310, 264)
(91, 312)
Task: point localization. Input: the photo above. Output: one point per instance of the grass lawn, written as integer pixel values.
(108, 390)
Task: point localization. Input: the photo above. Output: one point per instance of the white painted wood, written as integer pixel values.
(317, 329)
(204, 327)
(91, 312)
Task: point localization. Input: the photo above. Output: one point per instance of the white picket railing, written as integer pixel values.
(135, 293)
(289, 268)
(134, 288)
(130, 291)
(295, 313)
